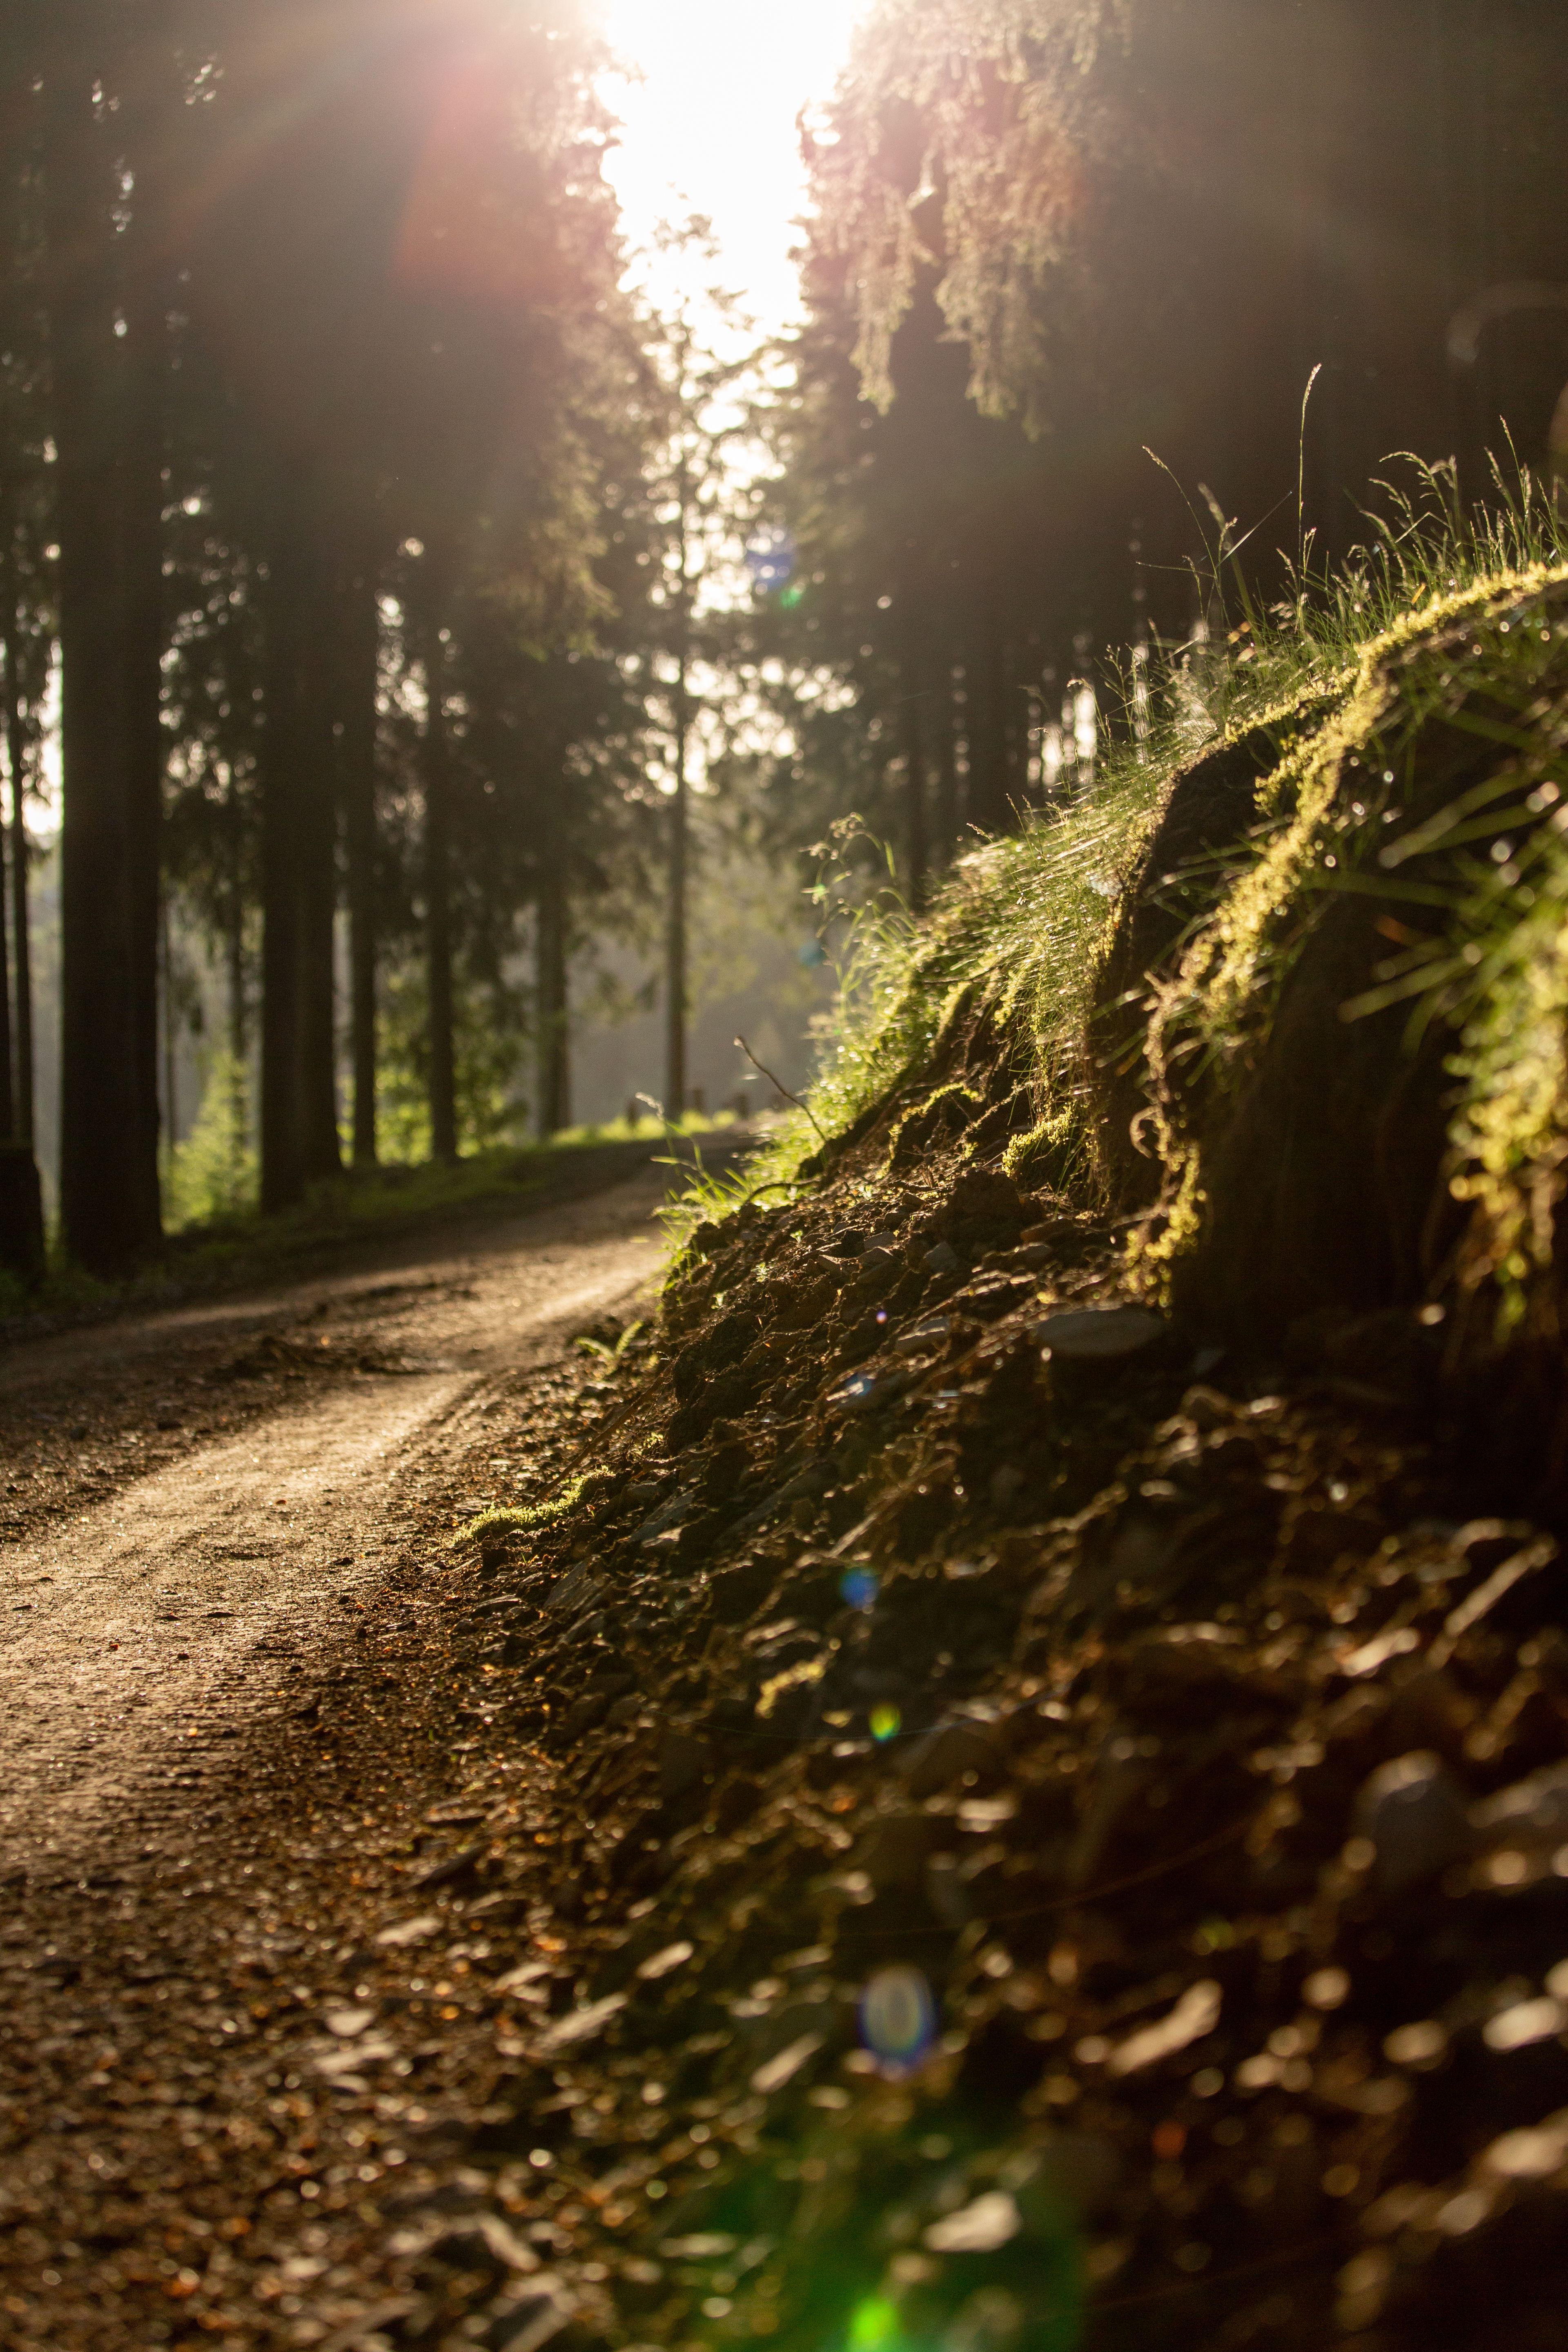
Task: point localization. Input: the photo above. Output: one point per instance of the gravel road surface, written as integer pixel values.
(224, 1597)
(178, 1609)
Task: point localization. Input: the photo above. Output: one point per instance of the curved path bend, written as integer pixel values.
(140, 1630)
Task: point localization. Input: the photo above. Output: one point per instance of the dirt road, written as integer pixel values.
(138, 1629)
(233, 1708)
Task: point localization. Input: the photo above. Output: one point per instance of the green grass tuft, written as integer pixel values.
(1352, 663)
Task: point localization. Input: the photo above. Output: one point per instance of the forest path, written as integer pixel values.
(197, 1599)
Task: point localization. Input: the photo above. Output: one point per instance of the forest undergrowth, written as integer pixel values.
(1047, 1666)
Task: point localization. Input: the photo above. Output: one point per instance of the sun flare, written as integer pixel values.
(711, 124)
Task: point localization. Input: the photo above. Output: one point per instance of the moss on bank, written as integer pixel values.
(1334, 863)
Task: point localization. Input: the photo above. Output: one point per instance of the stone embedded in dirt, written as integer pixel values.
(660, 1964)
(527, 1975)
(992, 2221)
(1413, 1812)
(452, 1871)
(409, 1931)
(667, 1517)
(988, 1194)
(1531, 1815)
(480, 2242)
(1487, 1603)
(580, 2026)
(1525, 2022)
(1101, 1335)
(864, 1392)
(527, 2325)
(876, 1261)
(942, 1259)
(924, 1338)
(499, 1910)
(579, 1586)
(347, 2023)
(1195, 2017)
(346, 2065)
(782, 2069)
(1532, 2154)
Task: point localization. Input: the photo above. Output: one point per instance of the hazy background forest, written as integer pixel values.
(436, 641)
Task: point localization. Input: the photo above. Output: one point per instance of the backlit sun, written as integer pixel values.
(711, 126)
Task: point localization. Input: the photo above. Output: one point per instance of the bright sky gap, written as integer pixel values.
(710, 128)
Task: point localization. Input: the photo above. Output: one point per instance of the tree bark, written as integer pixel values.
(316, 881)
(146, 292)
(916, 840)
(554, 1108)
(361, 640)
(436, 781)
(20, 120)
(21, 1215)
(7, 1085)
(171, 1034)
(299, 850)
(944, 706)
(283, 753)
(238, 1025)
(22, 1089)
(675, 985)
(108, 1209)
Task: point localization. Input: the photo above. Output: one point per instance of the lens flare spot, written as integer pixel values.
(857, 1587)
(886, 1721)
(898, 2018)
(874, 2326)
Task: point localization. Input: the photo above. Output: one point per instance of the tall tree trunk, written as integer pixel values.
(8, 1090)
(21, 1199)
(283, 761)
(360, 644)
(316, 876)
(147, 292)
(911, 733)
(944, 706)
(436, 781)
(239, 1023)
(23, 1089)
(16, 122)
(554, 1109)
(104, 1197)
(299, 850)
(171, 1073)
(675, 984)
